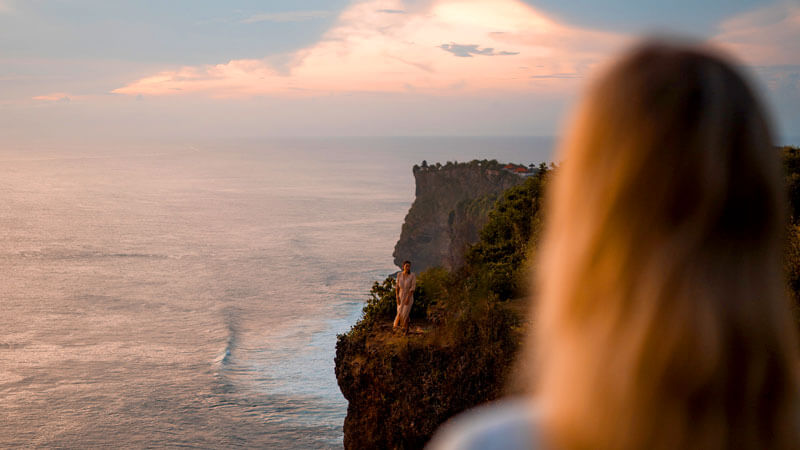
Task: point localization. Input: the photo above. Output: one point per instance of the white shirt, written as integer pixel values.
(509, 424)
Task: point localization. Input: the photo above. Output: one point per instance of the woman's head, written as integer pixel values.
(662, 318)
(406, 266)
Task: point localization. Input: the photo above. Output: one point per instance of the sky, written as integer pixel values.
(113, 69)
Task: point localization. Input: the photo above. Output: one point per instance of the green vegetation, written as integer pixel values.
(499, 260)
(491, 164)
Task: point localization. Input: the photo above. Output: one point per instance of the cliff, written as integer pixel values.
(468, 326)
(451, 206)
(467, 323)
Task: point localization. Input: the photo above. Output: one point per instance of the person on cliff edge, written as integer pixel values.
(662, 319)
(406, 283)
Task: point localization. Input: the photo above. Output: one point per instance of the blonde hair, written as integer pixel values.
(662, 319)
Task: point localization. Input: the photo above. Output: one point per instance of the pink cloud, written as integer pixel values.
(768, 36)
(236, 78)
(55, 97)
(768, 39)
(517, 49)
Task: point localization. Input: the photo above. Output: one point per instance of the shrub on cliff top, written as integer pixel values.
(381, 304)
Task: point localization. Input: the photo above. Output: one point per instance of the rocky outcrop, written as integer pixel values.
(451, 206)
(401, 389)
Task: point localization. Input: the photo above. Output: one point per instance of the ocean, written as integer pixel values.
(189, 294)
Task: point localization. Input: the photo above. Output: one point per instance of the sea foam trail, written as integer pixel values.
(232, 334)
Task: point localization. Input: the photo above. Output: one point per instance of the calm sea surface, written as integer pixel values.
(189, 295)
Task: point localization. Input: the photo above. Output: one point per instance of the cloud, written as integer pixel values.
(768, 40)
(287, 16)
(368, 50)
(466, 51)
(766, 36)
(557, 76)
(58, 97)
(392, 11)
(780, 78)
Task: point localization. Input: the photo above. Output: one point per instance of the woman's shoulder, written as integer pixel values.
(508, 424)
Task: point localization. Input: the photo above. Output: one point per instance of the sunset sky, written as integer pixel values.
(78, 69)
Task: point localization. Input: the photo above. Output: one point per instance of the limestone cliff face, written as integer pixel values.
(450, 208)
